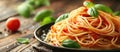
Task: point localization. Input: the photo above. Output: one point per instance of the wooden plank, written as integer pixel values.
(7, 45)
(27, 28)
(23, 46)
(8, 8)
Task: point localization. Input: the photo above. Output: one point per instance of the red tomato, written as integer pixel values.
(13, 24)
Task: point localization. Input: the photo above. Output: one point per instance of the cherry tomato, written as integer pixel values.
(13, 24)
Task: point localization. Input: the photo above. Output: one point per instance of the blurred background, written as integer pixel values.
(59, 6)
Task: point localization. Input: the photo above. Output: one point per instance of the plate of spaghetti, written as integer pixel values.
(91, 27)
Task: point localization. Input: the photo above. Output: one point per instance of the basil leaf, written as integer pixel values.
(103, 8)
(88, 4)
(38, 3)
(31, 2)
(61, 17)
(25, 10)
(92, 12)
(46, 3)
(117, 13)
(23, 40)
(41, 14)
(70, 44)
(47, 20)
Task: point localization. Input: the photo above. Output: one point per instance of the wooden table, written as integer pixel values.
(8, 43)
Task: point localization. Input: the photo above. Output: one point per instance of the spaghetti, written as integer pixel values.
(101, 32)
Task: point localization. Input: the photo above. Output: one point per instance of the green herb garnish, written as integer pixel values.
(93, 8)
(103, 8)
(70, 44)
(46, 2)
(88, 4)
(23, 40)
(47, 20)
(25, 10)
(38, 3)
(41, 14)
(61, 17)
(92, 12)
(117, 13)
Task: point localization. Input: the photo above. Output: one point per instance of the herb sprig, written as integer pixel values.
(93, 8)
